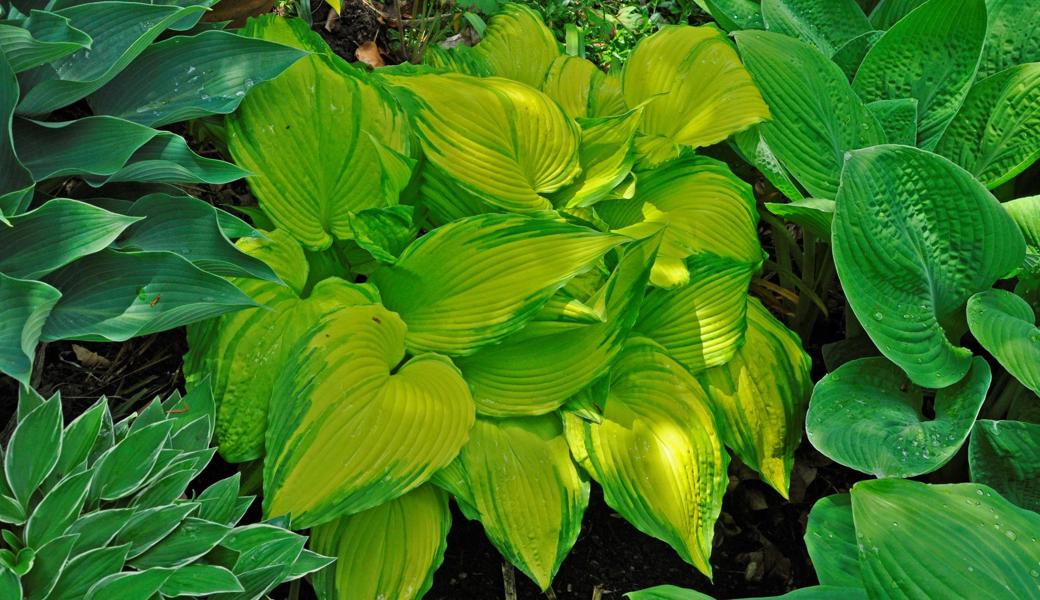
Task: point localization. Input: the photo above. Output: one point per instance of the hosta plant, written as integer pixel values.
(507, 273)
(84, 90)
(100, 509)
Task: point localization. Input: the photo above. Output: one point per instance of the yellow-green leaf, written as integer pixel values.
(582, 89)
(517, 45)
(606, 158)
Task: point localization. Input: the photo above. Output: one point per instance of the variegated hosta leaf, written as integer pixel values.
(1005, 455)
(342, 399)
(1005, 325)
(944, 541)
(996, 133)
(582, 89)
(390, 551)
(517, 45)
(242, 353)
(537, 369)
(761, 395)
(505, 143)
(703, 208)
(606, 157)
(908, 259)
(516, 477)
(697, 91)
(318, 162)
(657, 452)
(868, 416)
(477, 280)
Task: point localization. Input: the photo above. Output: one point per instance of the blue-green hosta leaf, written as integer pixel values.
(518, 479)
(907, 260)
(760, 396)
(56, 234)
(940, 541)
(40, 38)
(830, 538)
(16, 183)
(517, 45)
(24, 308)
(1005, 325)
(474, 282)
(502, 142)
(582, 89)
(656, 453)
(898, 117)
(1005, 455)
(996, 134)
(166, 158)
(889, 12)
(816, 117)
(696, 91)
(606, 157)
(120, 31)
(351, 124)
(1009, 41)
(868, 416)
(390, 551)
(243, 352)
(826, 26)
(342, 394)
(931, 55)
(811, 214)
(537, 369)
(114, 296)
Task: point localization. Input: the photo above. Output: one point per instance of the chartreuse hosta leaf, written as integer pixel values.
(518, 46)
(656, 452)
(353, 125)
(475, 281)
(944, 541)
(582, 89)
(390, 551)
(996, 134)
(931, 55)
(830, 538)
(760, 397)
(537, 369)
(242, 353)
(867, 415)
(696, 91)
(816, 117)
(907, 260)
(827, 26)
(1005, 455)
(606, 157)
(1008, 42)
(516, 476)
(499, 141)
(1005, 325)
(342, 396)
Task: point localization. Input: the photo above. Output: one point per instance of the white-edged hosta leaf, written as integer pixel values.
(518, 479)
(696, 91)
(1005, 455)
(1005, 325)
(475, 281)
(940, 541)
(760, 396)
(40, 38)
(812, 214)
(830, 538)
(582, 89)
(24, 308)
(350, 137)
(502, 141)
(33, 450)
(816, 117)
(517, 45)
(341, 396)
(606, 157)
(868, 416)
(657, 453)
(827, 26)
(898, 117)
(1009, 41)
(390, 551)
(996, 134)
(537, 369)
(48, 564)
(907, 259)
(931, 55)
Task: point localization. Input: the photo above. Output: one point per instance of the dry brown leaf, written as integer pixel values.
(89, 358)
(368, 53)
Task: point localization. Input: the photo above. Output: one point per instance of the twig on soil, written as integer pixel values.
(509, 580)
(597, 592)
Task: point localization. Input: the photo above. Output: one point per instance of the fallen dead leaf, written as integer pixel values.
(368, 53)
(89, 358)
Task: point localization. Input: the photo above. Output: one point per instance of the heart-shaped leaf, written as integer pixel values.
(518, 46)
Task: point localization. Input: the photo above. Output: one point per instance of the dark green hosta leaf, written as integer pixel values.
(908, 260)
(754, 149)
(120, 32)
(192, 538)
(888, 12)
(56, 234)
(868, 416)
(165, 489)
(996, 134)
(1011, 38)
(146, 527)
(1006, 326)
(33, 450)
(930, 55)
(97, 529)
(819, 592)
(812, 214)
(85, 570)
(217, 502)
(58, 509)
(850, 56)
(734, 14)
(1005, 455)
(941, 541)
(192, 76)
(898, 117)
(830, 538)
(153, 291)
(79, 437)
(826, 26)
(15, 181)
(123, 468)
(140, 584)
(200, 580)
(10, 586)
(24, 307)
(40, 38)
(50, 560)
(817, 118)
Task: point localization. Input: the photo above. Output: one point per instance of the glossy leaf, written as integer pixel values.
(15, 180)
(606, 157)
(200, 580)
(830, 538)
(40, 38)
(888, 12)
(827, 26)
(24, 308)
(518, 46)
(812, 214)
(582, 89)
(1005, 325)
